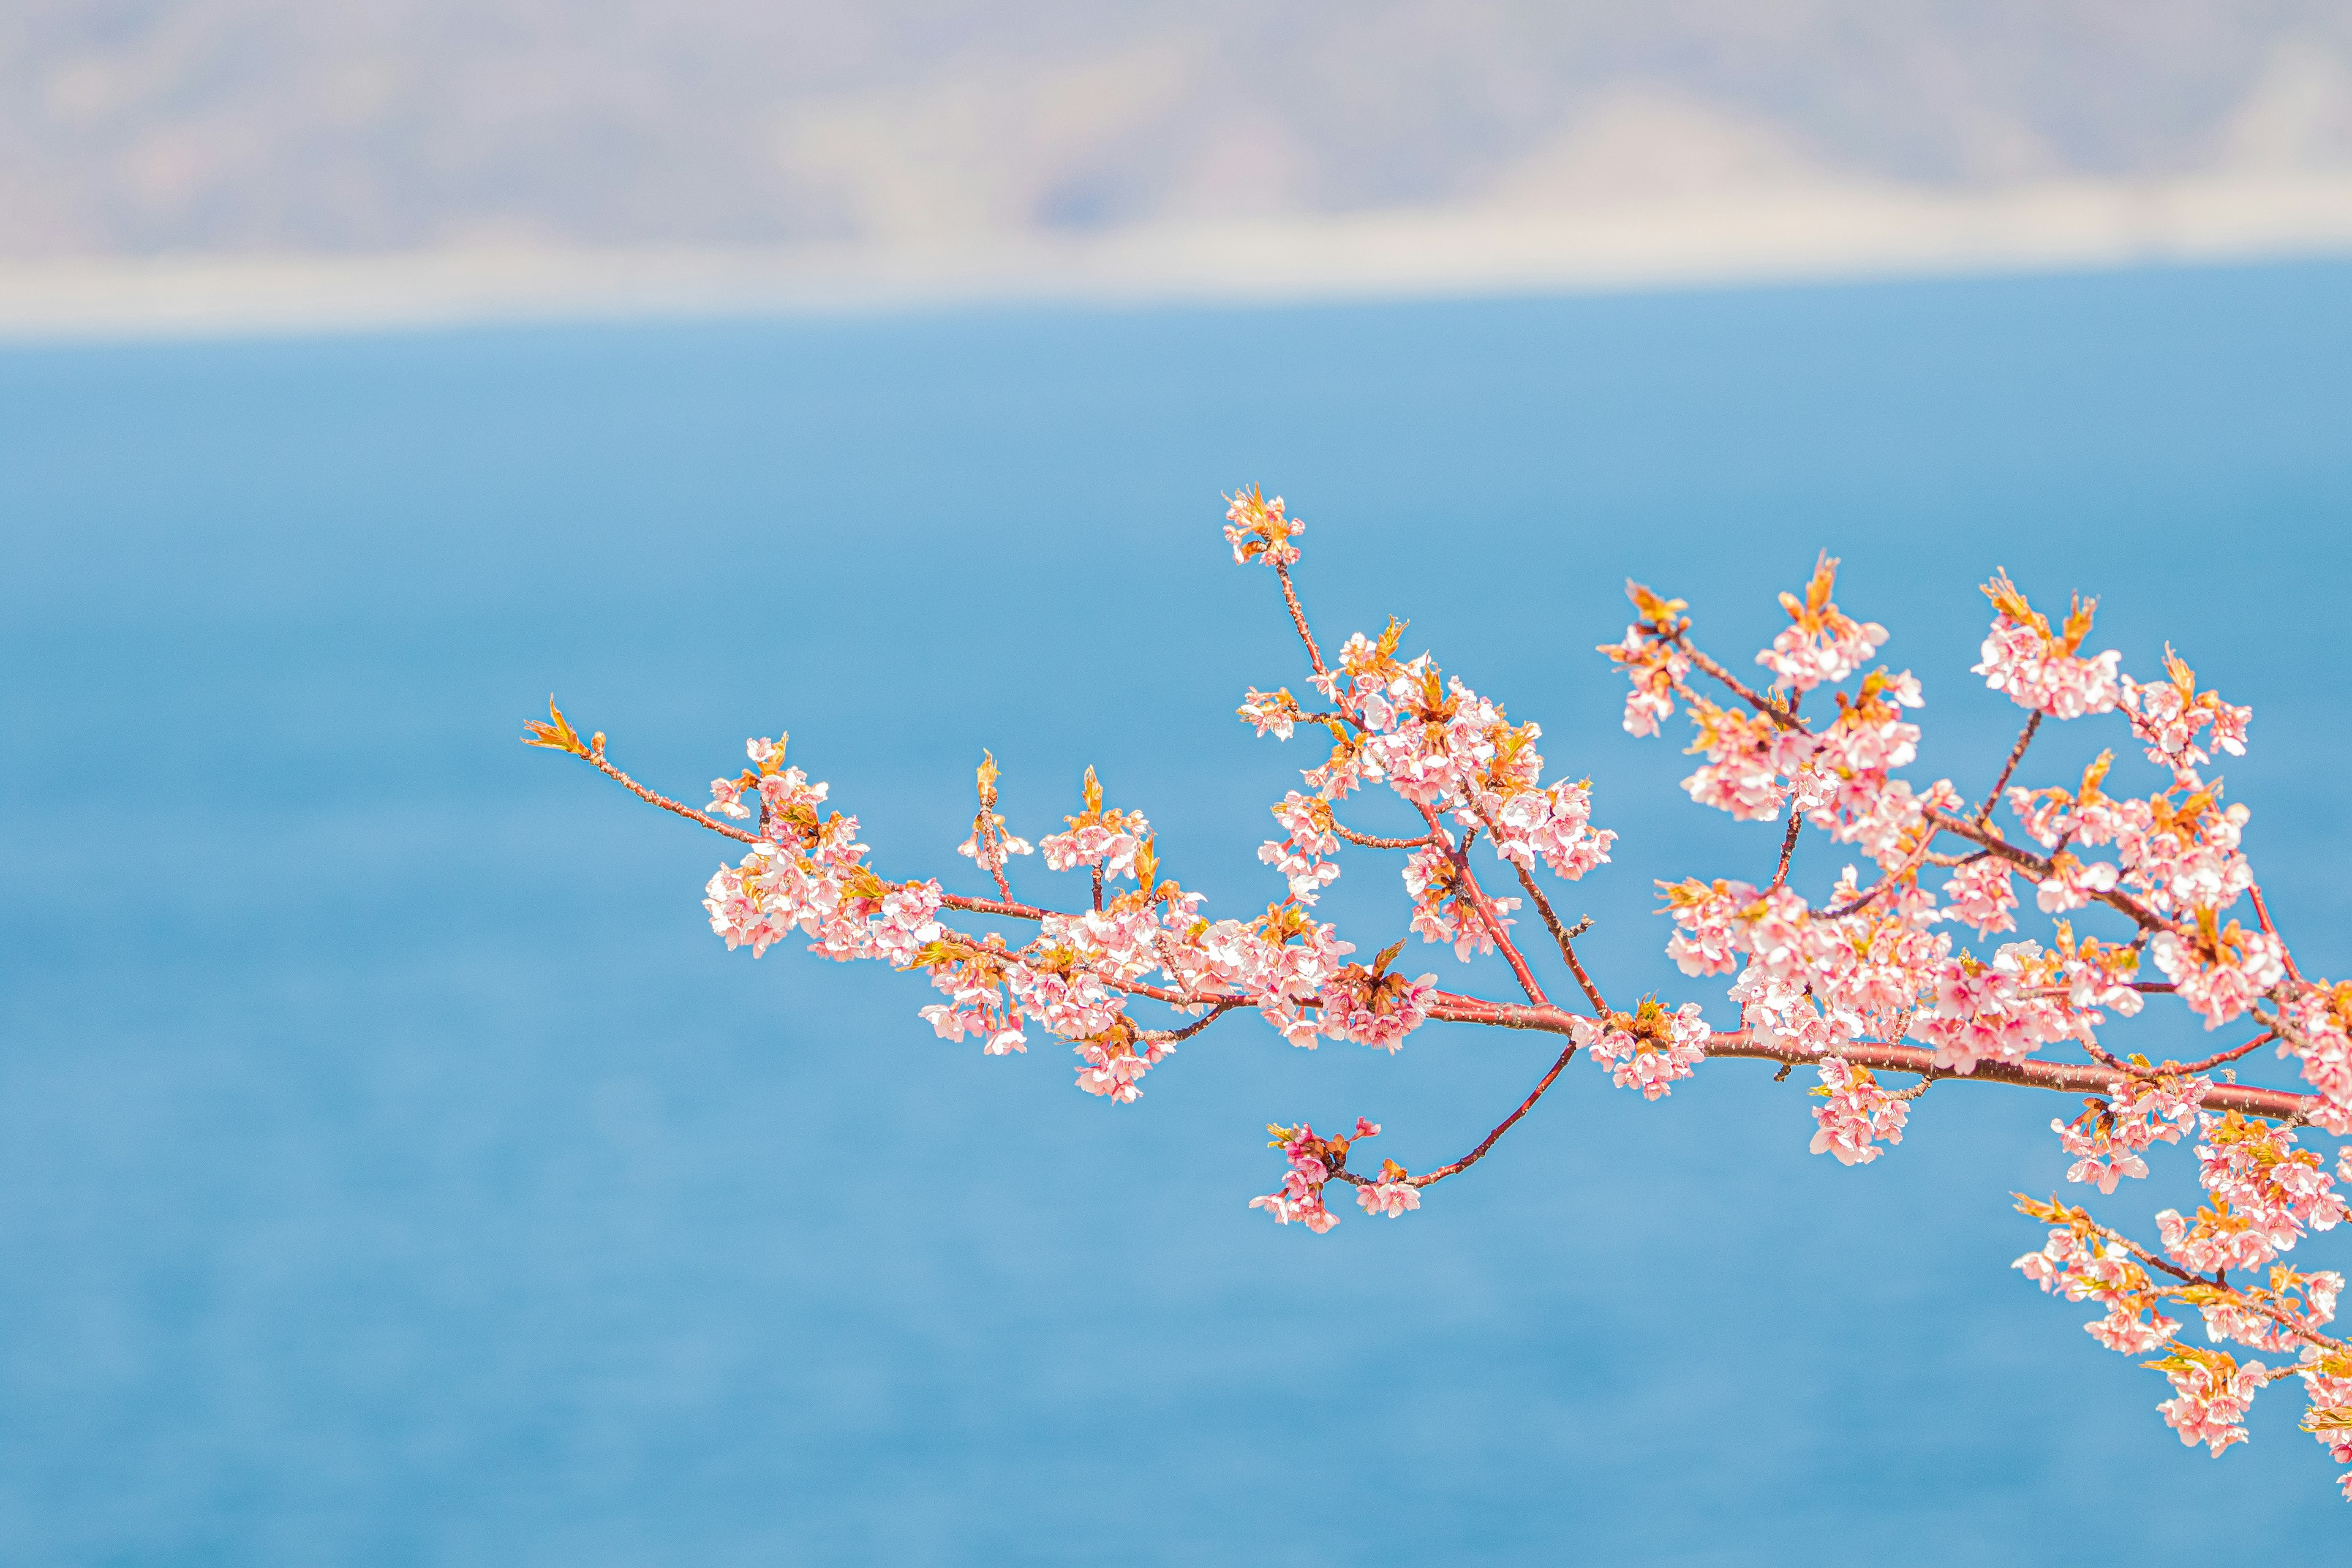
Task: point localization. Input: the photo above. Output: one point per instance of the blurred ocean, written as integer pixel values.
(393, 1169)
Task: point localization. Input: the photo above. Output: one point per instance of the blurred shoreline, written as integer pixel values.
(1818, 229)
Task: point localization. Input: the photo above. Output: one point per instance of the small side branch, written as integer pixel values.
(1369, 842)
(596, 759)
(1298, 618)
(1471, 1158)
(1561, 935)
(1459, 856)
(1984, 837)
(1787, 847)
(1785, 717)
(2016, 755)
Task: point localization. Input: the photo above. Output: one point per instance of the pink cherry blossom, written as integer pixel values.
(1390, 1199)
(1258, 530)
(1855, 1113)
(1824, 644)
(1648, 1049)
(2041, 670)
(2211, 1393)
(1980, 895)
(2219, 974)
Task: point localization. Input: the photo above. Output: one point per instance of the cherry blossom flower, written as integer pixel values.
(1276, 713)
(1706, 940)
(2072, 883)
(1390, 1195)
(1097, 838)
(2267, 1193)
(1375, 1008)
(1443, 908)
(1652, 658)
(2318, 1036)
(1313, 1162)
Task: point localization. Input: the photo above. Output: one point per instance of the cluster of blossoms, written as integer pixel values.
(2045, 670)
(2115, 1128)
(2267, 1195)
(2172, 717)
(1914, 963)
(1855, 1114)
(1647, 1049)
(1315, 1163)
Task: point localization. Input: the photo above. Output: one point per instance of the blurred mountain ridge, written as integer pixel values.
(130, 128)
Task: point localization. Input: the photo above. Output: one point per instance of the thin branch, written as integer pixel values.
(1987, 837)
(1369, 842)
(1484, 906)
(1471, 1158)
(2016, 755)
(1787, 847)
(1009, 909)
(1170, 1037)
(991, 844)
(2262, 913)
(2220, 1058)
(1783, 716)
(597, 759)
(1885, 880)
(1298, 618)
(1562, 935)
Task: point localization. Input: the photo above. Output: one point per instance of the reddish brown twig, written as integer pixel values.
(2001, 849)
(2221, 1058)
(1471, 1158)
(1458, 854)
(1786, 718)
(2262, 913)
(596, 759)
(1560, 934)
(1298, 618)
(2016, 755)
(1787, 847)
(1369, 842)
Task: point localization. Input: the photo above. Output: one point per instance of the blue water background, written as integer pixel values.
(394, 1170)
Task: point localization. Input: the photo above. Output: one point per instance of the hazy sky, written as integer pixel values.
(145, 126)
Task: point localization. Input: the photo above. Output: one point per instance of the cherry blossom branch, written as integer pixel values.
(1009, 909)
(1885, 880)
(2277, 1105)
(594, 755)
(1171, 1036)
(2220, 1058)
